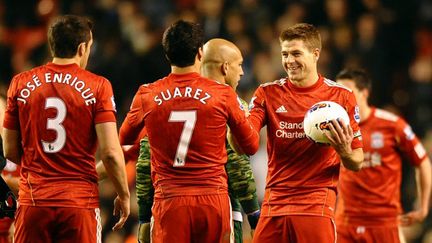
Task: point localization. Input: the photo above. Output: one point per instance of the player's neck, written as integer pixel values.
(66, 61)
(184, 70)
(214, 75)
(307, 81)
(365, 112)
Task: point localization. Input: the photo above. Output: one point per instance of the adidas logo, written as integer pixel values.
(281, 109)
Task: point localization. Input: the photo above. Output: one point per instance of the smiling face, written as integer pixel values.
(299, 61)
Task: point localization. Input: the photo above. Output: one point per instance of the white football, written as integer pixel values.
(316, 120)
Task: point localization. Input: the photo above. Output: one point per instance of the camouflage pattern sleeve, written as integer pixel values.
(144, 187)
(241, 182)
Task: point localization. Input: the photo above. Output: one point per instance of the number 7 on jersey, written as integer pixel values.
(189, 119)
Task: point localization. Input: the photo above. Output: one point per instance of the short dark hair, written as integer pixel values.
(359, 76)
(306, 32)
(66, 33)
(181, 42)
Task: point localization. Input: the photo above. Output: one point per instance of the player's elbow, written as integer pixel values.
(111, 155)
(252, 149)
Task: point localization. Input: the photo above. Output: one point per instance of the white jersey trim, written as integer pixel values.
(334, 84)
(385, 115)
(98, 226)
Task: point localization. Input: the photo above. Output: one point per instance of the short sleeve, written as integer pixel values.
(354, 115)
(134, 121)
(11, 118)
(408, 143)
(105, 105)
(242, 129)
(257, 109)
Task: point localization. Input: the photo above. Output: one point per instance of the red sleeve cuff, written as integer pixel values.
(10, 122)
(105, 116)
(357, 143)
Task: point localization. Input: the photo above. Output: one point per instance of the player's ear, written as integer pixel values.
(316, 53)
(224, 68)
(200, 54)
(81, 49)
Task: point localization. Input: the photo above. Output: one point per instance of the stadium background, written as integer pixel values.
(392, 39)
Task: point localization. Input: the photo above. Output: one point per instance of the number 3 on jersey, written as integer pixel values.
(189, 119)
(56, 125)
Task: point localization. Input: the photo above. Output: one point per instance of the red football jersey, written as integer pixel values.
(55, 108)
(186, 117)
(372, 195)
(13, 170)
(302, 176)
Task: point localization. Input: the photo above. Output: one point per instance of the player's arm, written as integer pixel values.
(242, 184)
(12, 182)
(12, 145)
(341, 139)
(112, 157)
(144, 191)
(423, 176)
(245, 135)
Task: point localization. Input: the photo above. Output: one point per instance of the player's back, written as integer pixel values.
(58, 106)
(187, 131)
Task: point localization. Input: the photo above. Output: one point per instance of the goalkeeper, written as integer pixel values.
(222, 62)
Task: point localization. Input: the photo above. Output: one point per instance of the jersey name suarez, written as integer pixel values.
(186, 119)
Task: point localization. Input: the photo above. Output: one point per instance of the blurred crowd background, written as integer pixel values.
(391, 39)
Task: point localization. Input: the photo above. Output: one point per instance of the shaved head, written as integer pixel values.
(222, 61)
(219, 50)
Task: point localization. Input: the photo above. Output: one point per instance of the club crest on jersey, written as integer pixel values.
(240, 104)
(377, 140)
(409, 133)
(357, 114)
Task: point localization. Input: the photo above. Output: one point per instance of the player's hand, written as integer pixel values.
(122, 208)
(144, 233)
(340, 137)
(412, 217)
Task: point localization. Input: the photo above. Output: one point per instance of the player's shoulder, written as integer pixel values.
(386, 115)
(274, 84)
(213, 83)
(333, 85)
(94, 77)
(27, 75)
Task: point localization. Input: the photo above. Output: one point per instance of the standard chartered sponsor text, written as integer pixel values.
(290, 130)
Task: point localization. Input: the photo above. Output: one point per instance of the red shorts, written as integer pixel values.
(56, 224)
(385, 234)
(4, 238)
(295, 228)
(205, 218)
